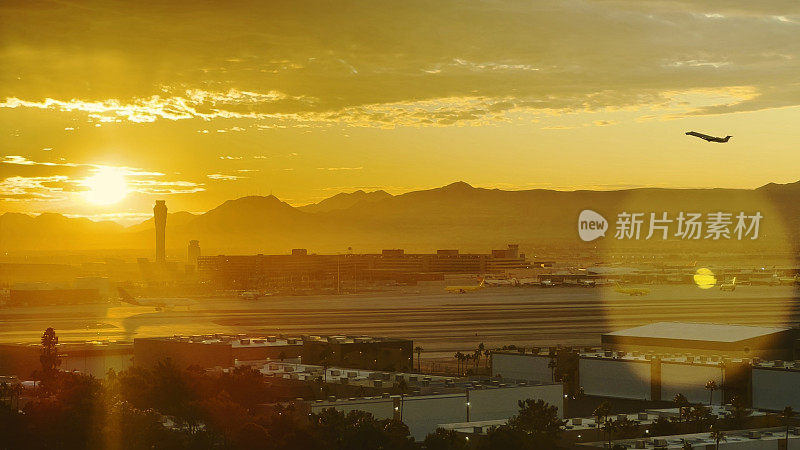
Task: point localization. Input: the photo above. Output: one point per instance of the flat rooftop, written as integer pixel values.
(711, 332)
(249, 340)
(748, 438)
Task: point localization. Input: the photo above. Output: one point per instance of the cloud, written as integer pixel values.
(33, 188)
(324, 66)
(223, 177)
(52, 181)
(339, 168)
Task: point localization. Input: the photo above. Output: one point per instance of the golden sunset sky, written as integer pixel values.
(106, 106)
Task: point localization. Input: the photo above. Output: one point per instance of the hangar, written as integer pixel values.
(739, 341)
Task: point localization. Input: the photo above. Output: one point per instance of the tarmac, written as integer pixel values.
(440, 322)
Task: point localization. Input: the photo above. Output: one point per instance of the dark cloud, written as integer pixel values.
(311, 61)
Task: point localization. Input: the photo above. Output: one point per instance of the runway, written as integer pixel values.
(440, 322)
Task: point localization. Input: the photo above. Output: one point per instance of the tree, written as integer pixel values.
(700, 416)
(786, 416)
(664, 426)
(418, 349)
(488, 354)
(48, 356)
(325, 358)
(459, 358)
(478, 353)
(442, 439)
(539, 421)
(717, 435)
(711, 386)
(401, 386)
(682, 403)
(740, 412)
(600, 413)
(504, 437)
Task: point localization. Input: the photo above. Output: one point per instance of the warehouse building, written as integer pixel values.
(776, 384)
(636, 375)
(221, 350)
(424, 413)
(94, 358)
(738, 341)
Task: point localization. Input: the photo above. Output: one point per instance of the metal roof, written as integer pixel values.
(697, 331)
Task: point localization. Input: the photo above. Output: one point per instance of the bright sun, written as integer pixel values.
(106, 186)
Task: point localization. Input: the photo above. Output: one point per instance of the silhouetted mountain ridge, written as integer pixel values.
(457, 215)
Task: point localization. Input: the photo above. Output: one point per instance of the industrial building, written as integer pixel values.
(94, 358)
(220, 350)
(46, 297)
(453, 401)
(776, 384)
(709, 339)
(213, 350)
(752, 439)
(653, 377)
(300, 267)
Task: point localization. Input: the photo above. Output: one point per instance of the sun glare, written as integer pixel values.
(106, 187)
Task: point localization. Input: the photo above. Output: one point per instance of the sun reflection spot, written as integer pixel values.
(704, 278)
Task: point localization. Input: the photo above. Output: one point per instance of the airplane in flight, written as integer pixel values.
(161, 304)
(630, 291)
(728, 286)
(464, 289)
(709, 138)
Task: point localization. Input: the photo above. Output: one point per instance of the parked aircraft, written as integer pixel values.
(160, 304)
(464, 289)
(728, 286)
(629, 290)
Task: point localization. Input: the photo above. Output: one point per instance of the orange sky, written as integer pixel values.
(199, 103)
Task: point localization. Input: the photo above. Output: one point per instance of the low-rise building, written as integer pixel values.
(222, 350)
(94, 358)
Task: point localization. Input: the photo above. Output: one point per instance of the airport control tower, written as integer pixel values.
(160, 219)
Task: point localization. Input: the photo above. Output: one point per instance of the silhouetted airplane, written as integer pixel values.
(161, 304)
(709, 138)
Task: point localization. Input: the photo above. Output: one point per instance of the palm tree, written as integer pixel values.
(459, 357)
(786, 415)
(552, 366)
(711, 386)
(418, 349)
(487, 353)
(717, 435)
(478, 353)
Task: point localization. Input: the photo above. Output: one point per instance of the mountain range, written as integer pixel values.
(454, 216)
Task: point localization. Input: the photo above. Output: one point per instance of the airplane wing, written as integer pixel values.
(700, 135)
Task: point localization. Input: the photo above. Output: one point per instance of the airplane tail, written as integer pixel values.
(733, 282)
(126, 297)
(482, 281)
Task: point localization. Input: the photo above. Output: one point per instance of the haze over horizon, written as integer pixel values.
(110, 105)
